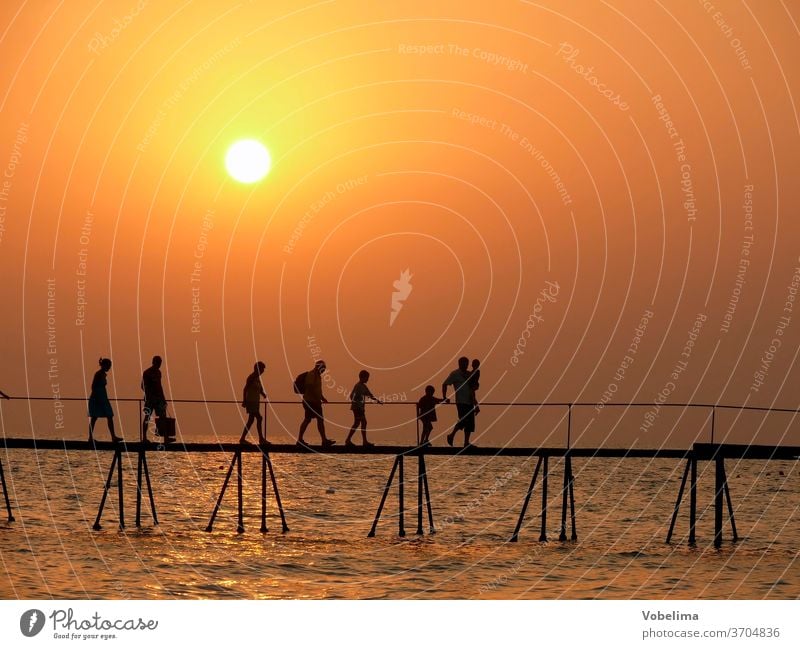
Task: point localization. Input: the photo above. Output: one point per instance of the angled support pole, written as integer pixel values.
(678, 501)
(515, 536)
(428, 497)
(422, 487)
(5, 493)
(719, 488)
(116, 463)
(734, 535)
(567, 493)
(240, 526)
(693, 500)
(140, 469)
(210, 525)
(266, 463)
(397, 462)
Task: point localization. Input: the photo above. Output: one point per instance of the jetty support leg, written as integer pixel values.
(139, 470)
(96, 525)
(515, 536)
(693, 501)
(210, 525)
(401, 528)
(678, 501)
(149, 488)
(735, 536)
(543, 533)
(240, 526)
(119, 491)
(5, 493)
(284, 526)
(564, 494)
(432, 529)
(263, 493)
(719, 492)
(383, 498)
(574, 536)
(420, 488)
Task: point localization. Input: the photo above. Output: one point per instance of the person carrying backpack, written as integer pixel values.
(310, 386)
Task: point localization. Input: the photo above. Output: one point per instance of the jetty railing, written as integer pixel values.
(699, 451)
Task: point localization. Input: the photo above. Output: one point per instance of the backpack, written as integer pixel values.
(299, 384)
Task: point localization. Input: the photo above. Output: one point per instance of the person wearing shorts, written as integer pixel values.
(465, 401)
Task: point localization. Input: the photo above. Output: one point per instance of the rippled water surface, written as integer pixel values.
(623, 510)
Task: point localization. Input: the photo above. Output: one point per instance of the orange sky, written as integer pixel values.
(489, 148)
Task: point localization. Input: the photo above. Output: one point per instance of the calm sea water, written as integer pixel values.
(623, 510)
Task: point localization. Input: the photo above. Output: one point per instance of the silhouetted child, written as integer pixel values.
(426, 412)
(99, 405)
(475, 382)
(358, 396)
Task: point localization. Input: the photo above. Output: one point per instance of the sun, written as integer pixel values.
(247, 161)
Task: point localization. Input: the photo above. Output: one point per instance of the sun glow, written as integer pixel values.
(247, 161)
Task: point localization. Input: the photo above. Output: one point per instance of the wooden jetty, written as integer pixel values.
(707, 452)
(698, 452)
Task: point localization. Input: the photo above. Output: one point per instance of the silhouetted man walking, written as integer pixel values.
(465, 400)
(154, 400)
(312, 402)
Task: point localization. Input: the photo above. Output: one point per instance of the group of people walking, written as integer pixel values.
(465, 383)
(155, 403)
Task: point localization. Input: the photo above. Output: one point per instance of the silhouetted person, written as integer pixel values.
(426, 413)
(252, 392)
(475, 382)
(358, 398)
(154, 400)
(99, 405)
(312, 402)
(465, 403)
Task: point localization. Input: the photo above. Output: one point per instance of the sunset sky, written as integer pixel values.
(554, 176)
